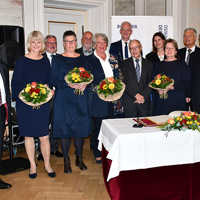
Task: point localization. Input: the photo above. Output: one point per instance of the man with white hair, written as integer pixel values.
(191, 55)
(120, 49)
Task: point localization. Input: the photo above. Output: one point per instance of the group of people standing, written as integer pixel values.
(77, 116)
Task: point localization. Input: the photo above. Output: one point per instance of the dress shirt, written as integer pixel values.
(123, 49)
(87, 52)
(49, 56)
(2, 89)
(105, 65)
(140, 63)
(186, 54)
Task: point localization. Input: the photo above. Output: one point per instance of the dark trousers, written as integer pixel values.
(78, 143)
(94, 137)
(2, 127)
(53, 141)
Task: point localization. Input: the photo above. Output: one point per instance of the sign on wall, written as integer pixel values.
(143, 28)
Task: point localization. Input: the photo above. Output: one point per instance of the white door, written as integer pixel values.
(57, 21)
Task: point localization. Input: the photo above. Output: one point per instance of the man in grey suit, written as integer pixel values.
(137, 73)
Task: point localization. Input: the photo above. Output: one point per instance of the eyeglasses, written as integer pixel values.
(69, 41)
(51, 42)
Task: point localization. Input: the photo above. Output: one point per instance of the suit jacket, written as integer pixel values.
(194, 64)
(116, 50)
(5, 76)
(153, 57)
(80, 51)
(133, 87)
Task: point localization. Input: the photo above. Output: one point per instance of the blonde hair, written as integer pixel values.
(35, 36)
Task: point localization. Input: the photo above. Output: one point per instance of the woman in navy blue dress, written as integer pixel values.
(179, 94)
(33, 67)
(71, 118)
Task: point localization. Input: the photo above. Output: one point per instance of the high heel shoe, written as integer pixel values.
(33, 175)
(79, 163)
(51, 174)
(67, 166)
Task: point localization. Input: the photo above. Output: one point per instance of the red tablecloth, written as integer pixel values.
(180, 182)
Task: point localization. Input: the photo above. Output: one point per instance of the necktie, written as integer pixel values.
(51, 57)
(137, 69)
(188, 56)
(126, 50)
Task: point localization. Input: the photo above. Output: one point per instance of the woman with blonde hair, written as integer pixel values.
(33, 67)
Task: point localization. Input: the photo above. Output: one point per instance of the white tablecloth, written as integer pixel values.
(141, 148)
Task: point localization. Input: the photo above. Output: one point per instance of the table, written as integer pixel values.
(148, 163)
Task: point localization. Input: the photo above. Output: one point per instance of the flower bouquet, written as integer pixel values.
(186, 120)
(78, 77)
(35, 94)
(110, 89)
(161, 83)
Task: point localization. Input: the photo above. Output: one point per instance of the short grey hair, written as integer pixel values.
(125, 22)
(102, 35)
(134, 40)
(191, 29)
(49, 36)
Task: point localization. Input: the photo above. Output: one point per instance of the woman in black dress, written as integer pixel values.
(71, 117)
(157, 55)
(33, 67)
(179, 94)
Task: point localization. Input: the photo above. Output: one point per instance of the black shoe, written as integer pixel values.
(32, 176)
(4, 185)
(79, 163)
(40, 157)
(67, 166)
(51, 174)
(98, 161)
(57, 154)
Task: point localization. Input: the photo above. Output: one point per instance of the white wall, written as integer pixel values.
(193, 14)
(11, 12)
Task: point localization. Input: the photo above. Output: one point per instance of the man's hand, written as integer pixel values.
(139, 99)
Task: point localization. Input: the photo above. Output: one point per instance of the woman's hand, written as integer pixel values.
(80, 87)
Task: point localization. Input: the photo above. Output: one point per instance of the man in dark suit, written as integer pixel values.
(50, 50)
(5, 106)
(120, 48)
(87, 44)
(137, 73)
(191, 55)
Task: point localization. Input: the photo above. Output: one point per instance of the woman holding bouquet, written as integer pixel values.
(179, 93)
(101, 68)
(71, 118)
(33, 67)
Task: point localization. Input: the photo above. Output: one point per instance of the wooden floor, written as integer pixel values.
(80, 185)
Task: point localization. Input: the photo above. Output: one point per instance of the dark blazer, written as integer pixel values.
(194, 64)
(80, 51)
(5, 76)
(132, 109)
(116, 50)
(98, 107)
(153, 57)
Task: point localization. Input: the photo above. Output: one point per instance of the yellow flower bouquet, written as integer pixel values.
(35, 94)
(162, 83)
(110, 89)
(78, 76)
(186, 120)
